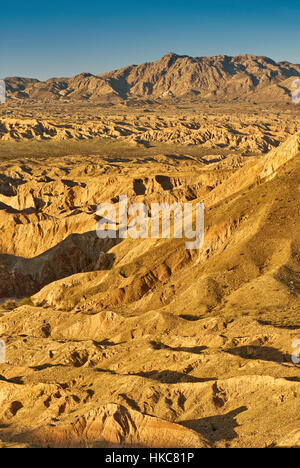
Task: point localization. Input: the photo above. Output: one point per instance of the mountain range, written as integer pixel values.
(246, 78)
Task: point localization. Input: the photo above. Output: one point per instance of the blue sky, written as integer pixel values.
(45, 39)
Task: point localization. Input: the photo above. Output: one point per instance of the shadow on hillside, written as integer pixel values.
(292, 379)
(107, 342)
(262, 353)
(216, 428)
(283, 327)
(165, 377)
(77, 253)
(14, 380)
(190, 318)
(194, 349)
(171, 377)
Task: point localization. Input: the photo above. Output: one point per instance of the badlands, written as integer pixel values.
(143, 343)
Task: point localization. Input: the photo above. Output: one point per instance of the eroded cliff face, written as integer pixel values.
(143, 342)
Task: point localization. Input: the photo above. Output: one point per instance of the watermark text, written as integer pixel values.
(296, 93)
(2, 352)
(2, 92)
(160, 221)
(296, 353)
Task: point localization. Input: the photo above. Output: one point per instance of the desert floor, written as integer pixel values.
(143, 343)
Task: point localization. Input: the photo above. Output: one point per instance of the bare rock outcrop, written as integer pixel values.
(116, 426)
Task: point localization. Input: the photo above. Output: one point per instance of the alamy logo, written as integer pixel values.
(2, 352)
(295, 98)
(296, 353)
(2, 92)
(162, 221)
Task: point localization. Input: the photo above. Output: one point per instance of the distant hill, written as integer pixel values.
(244, 78)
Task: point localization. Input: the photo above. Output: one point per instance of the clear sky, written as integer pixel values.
(50, 38)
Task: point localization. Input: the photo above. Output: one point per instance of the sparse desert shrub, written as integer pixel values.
(25, 301)
(10, 304)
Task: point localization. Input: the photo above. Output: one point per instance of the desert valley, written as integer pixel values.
(142, 342)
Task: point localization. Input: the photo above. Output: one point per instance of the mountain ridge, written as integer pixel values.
(244, 77)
